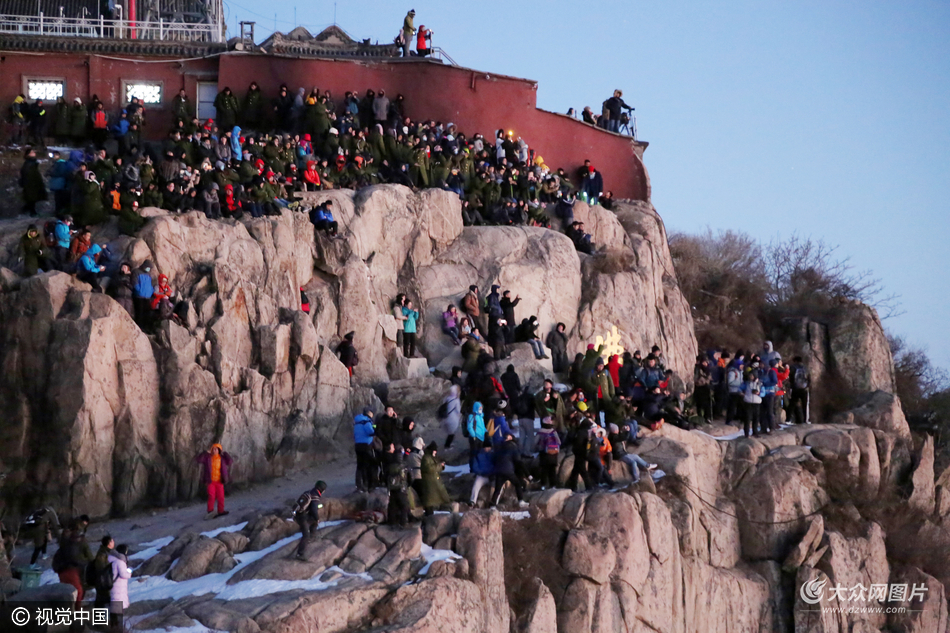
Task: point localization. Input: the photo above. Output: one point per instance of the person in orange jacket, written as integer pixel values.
(215, 472)
(613, 366)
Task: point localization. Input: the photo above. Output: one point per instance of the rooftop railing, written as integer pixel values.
(99, 27)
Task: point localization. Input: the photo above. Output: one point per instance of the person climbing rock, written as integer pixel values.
(347, 352)
(307, 515)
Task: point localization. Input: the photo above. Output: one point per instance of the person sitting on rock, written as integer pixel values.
(347, 352)
(618, 437)
(215, 472)
(322, 218)
(162, 299)
(307, 515)
(581, 239)
(527, 332)
(450, 323)
(88, 268)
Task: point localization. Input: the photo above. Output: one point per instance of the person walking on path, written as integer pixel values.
(307, 515)
(215, 472)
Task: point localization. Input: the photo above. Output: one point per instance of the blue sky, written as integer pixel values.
(829, 119)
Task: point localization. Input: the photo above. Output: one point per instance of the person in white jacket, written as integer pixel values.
(453, 414)
(119, 595)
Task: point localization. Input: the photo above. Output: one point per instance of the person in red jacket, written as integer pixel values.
(311, 177)
(613, 366)
(782, 372)
(215, 472)
(423, 41)
(163, 291)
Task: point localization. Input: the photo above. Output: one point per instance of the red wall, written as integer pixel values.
(475, 101)
(88, 75)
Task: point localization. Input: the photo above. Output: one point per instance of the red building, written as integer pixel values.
(118, 58)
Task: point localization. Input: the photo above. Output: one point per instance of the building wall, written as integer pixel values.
(475, 101)
(87, 75)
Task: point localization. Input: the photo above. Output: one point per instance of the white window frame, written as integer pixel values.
(28, 79)
(149, 82)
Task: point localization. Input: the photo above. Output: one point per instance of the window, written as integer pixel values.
(148, 92)
(45, 89)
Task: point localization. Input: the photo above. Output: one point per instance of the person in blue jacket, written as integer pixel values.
(142, 293)
(60, 176)
(236, 142)
(483, 468)
(366, 467)
(500, 424)
(322, 218)
(89, 267)
(769, 387)
(475, 425)
(409, 330)
(62, 234)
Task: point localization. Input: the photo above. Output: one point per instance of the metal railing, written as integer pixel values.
(441, 54)
(99, 27)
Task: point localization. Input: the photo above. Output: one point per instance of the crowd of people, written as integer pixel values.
(516, 437)
(107, 571)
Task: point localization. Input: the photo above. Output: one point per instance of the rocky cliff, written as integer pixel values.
(725, 541)
(101, 417)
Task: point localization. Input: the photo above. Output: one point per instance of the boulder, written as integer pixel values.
(859, 348)
(879, 410)
(851, 561)
(839, 452)
(922, 497)
(346, 607)
(588, 555)
(617, 518)
(808, 544)
(415, 394)
(436, 526)
(202, 556)
(434, 606)
(364, 554)
(927, 610)
(541, 614)
(395, 566)
(234, 541)
(768, 503)
(480, 542)
(54, 592)
(942, 493)
(266, 530)
(550, 502)
(577, 608)
(159, 564)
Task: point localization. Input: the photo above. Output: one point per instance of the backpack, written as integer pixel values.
(550, 446)
(443, 411)
(101, 579)
(801, 379)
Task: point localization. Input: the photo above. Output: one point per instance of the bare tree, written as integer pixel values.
(804, 272)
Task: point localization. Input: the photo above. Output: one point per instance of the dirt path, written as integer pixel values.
(149, 525)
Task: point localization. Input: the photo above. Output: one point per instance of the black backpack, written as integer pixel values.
(443, 411)
(101, 579)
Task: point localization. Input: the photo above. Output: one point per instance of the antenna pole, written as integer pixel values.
(334, 12)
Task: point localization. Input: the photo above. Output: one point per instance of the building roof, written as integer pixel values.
(90, 45)
(51, 8)
(331, 42)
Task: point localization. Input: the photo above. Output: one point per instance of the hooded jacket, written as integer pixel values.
(88, 260)
(363, 430)
(476, 422)
(236, 141)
